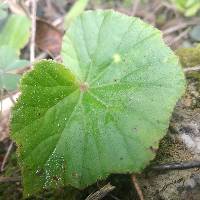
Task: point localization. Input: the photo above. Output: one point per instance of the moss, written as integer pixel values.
(170, 150)
(189, 57)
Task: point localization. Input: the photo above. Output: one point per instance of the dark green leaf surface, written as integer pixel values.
(104, 112)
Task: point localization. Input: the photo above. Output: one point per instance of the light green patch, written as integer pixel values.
(116, 58)
(187, 7)
(9, 62)
(16, 32)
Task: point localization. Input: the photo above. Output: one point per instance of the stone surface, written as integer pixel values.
(181, 144)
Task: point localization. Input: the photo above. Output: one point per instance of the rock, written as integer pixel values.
(181, 144)
(195, 33)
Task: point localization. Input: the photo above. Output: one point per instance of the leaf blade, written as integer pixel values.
(8, 62)
(122, 87)
(15, 33)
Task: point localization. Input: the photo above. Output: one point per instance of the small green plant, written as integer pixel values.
(15, 32)
(9, 62)
(3, 10)
(188, 7)
(75, 11)
(103, 110)
(190, 56)
(13, 37)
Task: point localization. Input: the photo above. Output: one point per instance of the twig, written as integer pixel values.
(169, 6)
(178, 27)
(1, 96)
(11, 97)
(191, 69)
(24, 8)
(41, 56)
(11, 144)
(164, 4)
(9, 179)
(6, 156)
(33, 30)
(135, 7)
(100, 194)
(7, 102)
(179, 37)
(137, 187)
(58, 21)
(177, 165)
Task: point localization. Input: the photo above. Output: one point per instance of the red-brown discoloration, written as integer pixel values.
(84, 87)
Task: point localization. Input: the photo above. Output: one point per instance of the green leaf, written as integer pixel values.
(188, 7)
(3, 10)
(9, 81)
(105, 112)
(75, 11)
(16, 31)
(9, 61)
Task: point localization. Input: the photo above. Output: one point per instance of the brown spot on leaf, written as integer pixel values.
(84, 87)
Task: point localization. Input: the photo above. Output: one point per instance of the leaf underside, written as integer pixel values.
(104, 112)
